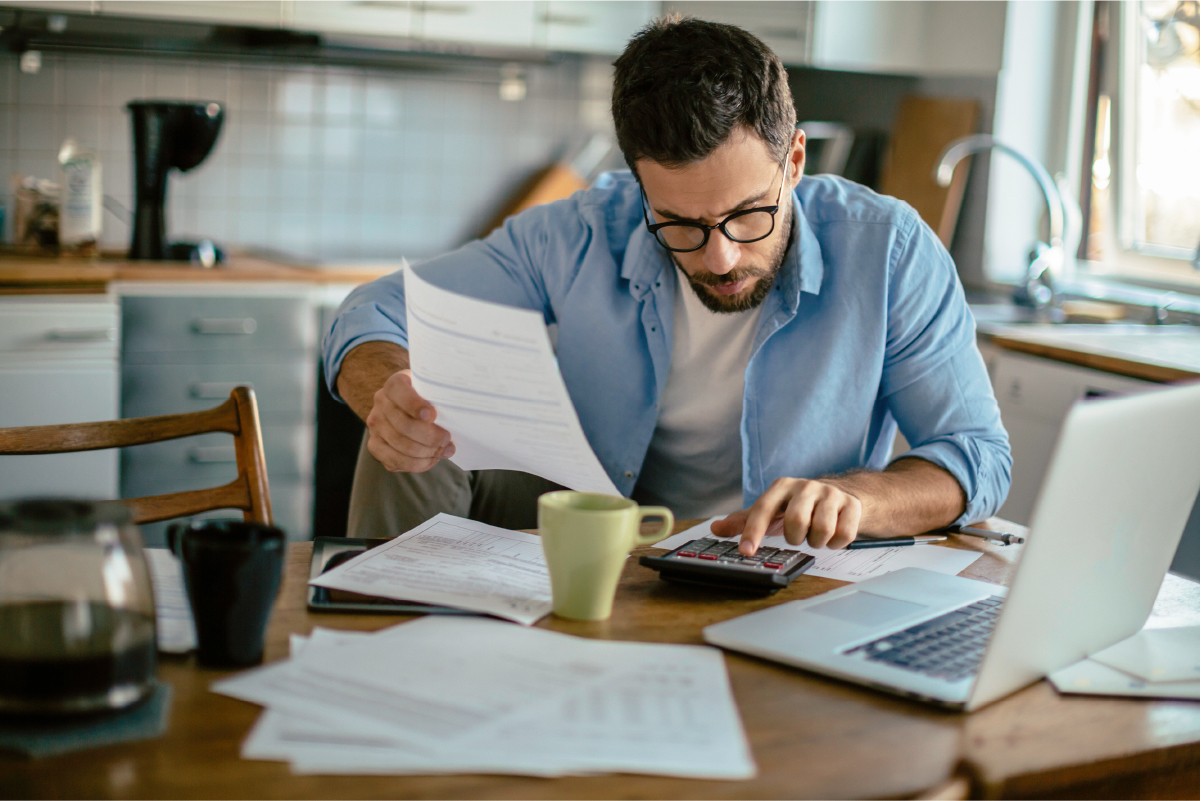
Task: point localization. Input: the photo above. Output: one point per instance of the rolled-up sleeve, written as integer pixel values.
(373, 312)
(937, 386)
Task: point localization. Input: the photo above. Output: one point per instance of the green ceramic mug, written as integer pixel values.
(586, 538)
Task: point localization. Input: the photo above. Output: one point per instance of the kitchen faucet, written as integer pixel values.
(1037, 290)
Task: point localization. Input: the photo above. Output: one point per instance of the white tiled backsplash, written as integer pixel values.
(327, 162)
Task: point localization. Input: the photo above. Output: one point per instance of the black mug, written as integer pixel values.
(232, 570)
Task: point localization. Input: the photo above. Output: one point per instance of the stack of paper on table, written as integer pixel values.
(452, 561)
(471, 695)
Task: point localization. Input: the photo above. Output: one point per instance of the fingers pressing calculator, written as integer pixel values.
(718, 563)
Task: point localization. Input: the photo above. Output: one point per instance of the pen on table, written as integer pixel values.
(987, 534)
(893, 542)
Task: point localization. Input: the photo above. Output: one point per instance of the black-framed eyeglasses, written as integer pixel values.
(747, 225)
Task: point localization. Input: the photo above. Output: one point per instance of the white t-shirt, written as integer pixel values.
(694, 464)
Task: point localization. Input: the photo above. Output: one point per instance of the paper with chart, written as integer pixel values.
(490, 372)
(452, 561)
(844, 565)
(471, 695)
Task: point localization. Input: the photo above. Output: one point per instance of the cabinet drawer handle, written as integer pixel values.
(215, 454)
(225, 325)
(214, 390)
(442, 8)
(82, 335)
(570, 20)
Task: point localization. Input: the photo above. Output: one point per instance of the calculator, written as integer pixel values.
(717, 563)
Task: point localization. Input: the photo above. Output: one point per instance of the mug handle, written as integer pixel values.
(669, 520)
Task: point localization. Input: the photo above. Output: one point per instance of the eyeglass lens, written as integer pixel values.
(748, 227)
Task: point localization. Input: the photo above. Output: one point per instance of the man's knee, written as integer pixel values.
(507, 498)
(385, 504)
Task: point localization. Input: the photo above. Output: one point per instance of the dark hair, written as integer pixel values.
(682, 85)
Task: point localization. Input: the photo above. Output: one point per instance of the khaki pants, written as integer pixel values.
(384, 504)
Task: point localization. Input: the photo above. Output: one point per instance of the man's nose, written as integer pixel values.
(720, 254)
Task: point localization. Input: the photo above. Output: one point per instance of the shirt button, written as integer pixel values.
(629, 474)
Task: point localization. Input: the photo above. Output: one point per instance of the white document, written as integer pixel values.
(452, 561)
(844, 565)
(1170, 654)
(668, 711)
(1154, 663)
(175, 628)
(490, 372)
(459, 695)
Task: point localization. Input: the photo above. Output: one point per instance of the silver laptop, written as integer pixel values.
(1119, 488)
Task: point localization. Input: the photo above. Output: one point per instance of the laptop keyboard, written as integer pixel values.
(949, 646)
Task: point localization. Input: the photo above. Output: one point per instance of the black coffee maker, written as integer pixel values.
(168, 134)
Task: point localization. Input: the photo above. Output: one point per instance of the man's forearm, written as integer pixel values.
(908, 497)
(365, 369)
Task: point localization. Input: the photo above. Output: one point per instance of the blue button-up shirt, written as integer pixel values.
(865, 329)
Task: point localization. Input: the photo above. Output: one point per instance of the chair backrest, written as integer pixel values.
(238, 416)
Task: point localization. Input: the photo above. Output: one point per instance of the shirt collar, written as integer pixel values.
(804, 267)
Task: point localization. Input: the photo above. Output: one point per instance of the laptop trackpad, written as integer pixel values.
(866, 609)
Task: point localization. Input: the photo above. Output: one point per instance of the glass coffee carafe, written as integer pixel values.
(77, 631)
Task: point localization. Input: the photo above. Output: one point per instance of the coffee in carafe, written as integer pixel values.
(77, 630)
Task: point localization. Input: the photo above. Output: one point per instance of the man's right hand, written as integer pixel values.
(402, 435)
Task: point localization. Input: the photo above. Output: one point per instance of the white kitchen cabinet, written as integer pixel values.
(916, 38)
(264, 13)
(58, 364)
(69, 6)
(785, 26)
(351, 16)
(184, 348)
(913, 38)
(1034, 395)
(588, 26)
(508, 23)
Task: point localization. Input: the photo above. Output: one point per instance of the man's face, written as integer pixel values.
(741, 174)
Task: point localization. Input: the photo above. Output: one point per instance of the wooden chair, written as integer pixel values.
(238, 416)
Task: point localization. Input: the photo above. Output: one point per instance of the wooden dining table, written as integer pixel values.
(811, 737)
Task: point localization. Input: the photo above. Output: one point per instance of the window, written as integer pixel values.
(1142, 172)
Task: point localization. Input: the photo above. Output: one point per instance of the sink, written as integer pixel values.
(1071, 313)
(1077, 312)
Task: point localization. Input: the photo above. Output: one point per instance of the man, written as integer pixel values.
(736, 340)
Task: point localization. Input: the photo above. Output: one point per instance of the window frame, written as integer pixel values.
(1112, 71)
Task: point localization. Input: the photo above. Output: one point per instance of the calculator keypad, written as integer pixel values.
(726, 553)
(718, 563)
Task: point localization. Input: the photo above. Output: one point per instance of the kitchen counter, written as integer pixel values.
(22, 274)
(1151, 353)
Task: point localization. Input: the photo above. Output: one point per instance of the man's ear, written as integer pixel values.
(797, 156)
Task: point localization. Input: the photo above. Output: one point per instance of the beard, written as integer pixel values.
(732, 304)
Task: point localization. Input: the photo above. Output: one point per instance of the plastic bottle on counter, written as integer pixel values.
(81, 205)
